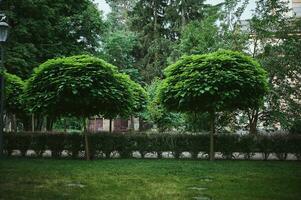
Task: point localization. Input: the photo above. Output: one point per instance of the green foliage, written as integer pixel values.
(233, 34)
(198, 37)
(81, 86)
(224, 80)
(14, 88)
(227, 144)
(296, 128)
(70, 123)
(281, 146)
(42, 29)
(197, 122)
(149, 19)
(156, 113)
(139, 97)
(105, 144)
(118, 49)
(247, 146)
(277, 48)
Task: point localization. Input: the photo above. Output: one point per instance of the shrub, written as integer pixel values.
(227, 145)
(74, 144)
(198, 143)
(294, 145)
(125, 144)
(247, 146)
(19, 142)
(143, 144)
(56, 143)
(39, 143)
(280, 145)
(264, 145)
(296, 127)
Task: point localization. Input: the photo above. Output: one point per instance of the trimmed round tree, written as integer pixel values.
(137, 104)
(219, 81)
(80, 86)
(14, 88)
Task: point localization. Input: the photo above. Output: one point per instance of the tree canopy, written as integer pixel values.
(14, 88)
(43, 29)
(223, 80)
(220, 81)
(81, 86)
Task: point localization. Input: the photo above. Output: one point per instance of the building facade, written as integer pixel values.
(100, 124)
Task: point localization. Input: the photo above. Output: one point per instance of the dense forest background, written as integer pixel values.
(142, 37)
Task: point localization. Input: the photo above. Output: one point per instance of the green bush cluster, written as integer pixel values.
(125, 144)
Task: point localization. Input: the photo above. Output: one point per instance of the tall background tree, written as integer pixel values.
(275, 42)
(44, 29)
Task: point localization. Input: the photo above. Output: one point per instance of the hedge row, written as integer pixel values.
(125, 144)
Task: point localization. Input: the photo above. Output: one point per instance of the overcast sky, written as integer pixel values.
(102, 5)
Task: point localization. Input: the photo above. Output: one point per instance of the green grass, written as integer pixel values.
(148, 179)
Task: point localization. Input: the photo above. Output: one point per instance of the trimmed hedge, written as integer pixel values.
(105, 144)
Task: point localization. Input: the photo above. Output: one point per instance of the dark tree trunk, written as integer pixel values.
(132, 126)
(32, 123)
(110, 127)
(39, 122)
(49, 123)
(26, 122)
(87, 150)
(253, 119)
(65, 126)
(14, 123)
(183, 18)
(212, 133)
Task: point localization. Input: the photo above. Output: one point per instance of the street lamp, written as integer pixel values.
(3, 31)
(3, 36)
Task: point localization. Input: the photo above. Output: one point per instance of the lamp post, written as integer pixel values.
(3, 36)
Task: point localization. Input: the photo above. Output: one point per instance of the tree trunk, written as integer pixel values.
(32, 123)
(110, 127)
(253, 119)
(39, 122)
(87, 150)
(132, 126)
(14, 123)
(65, 125)
(26, 122)
(49, 123)
(183, 19)
(212, 133)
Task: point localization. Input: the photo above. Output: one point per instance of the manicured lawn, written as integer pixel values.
(149, 179)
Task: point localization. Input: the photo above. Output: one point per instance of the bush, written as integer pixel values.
(280, 145)
(39, 144)
(294, 146)
(247, 146)
(56, 144)
(296, 127)
(125, 144)
(74, 145)
(264, 145)
(227, 145)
